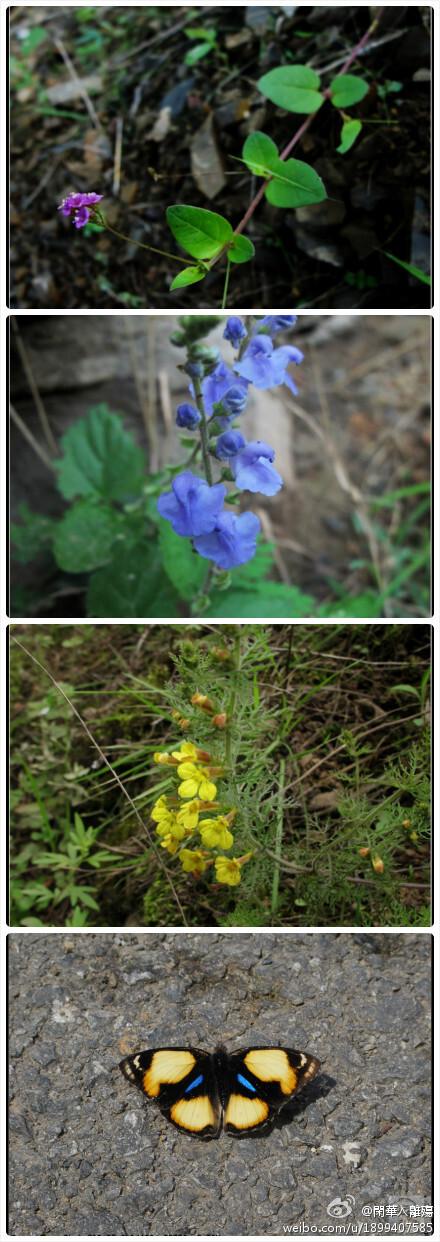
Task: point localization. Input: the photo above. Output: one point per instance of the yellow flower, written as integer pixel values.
(194, 860)
(195, 781)
(216, 832)
(189, 814)
(170, 827)
(161, 811)
(187, 751)
(161, 756)
(170, 843)
(377, 863)
(228, 870)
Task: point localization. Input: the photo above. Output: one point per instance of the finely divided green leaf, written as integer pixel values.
(100, 458)
(294, 87)
(347, 90)
(202, 233)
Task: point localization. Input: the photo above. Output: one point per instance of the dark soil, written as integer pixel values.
(132, 62)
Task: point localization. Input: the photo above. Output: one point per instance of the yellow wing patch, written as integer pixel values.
(243, 1113)
(272, 1065)
(194, 1115)
(168, 1065)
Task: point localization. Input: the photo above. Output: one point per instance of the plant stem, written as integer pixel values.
(278, 836)
(232, 701)
(203, 430)
(99, 219)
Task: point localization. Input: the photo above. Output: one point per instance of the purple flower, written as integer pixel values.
(188, 416)
(233, 540)
(193, 507)
(265, 366)
(235, 331)
(229, 444)
(277, 323)
(253, 470)
(216, 385)
(82, 206)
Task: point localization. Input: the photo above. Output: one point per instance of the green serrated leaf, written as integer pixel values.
(133, 585)
(347, 90)
(32, 536)
(349, 133)
(260, 154)
(85, 537)
(294, 87)
(202, 233)
(100, 458)
(185, 568)
(294, 184)
(189, 276)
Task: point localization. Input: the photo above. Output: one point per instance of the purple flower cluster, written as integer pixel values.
(194, 508)
(82, 207)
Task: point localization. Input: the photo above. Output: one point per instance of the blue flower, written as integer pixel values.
(235, 331)
(235, 399)
(277, 323)
(233, 540)
(265, 366)
(229, 444)
(216, 385)
(192, 507)
(253, 470)
(188, 416)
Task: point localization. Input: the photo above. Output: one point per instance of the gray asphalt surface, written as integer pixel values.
(90, 1157)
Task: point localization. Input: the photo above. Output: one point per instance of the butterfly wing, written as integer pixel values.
(259, 1082)
(181, 1081)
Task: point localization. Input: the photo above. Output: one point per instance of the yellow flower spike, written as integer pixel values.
(170, 844)
(215, 832)
(227, 871)
(189, 814)
(194, 860)
(377, 863)
(195, 781)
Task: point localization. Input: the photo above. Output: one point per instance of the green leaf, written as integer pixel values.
(271, 599)
(100, 458)
(294, 184)
(294, 87)
(197, 53)
(409, 267)
(202, 233)
(241, 249)
(349, 133)
(347, 90)
(366, 605)
(260, 154)
(85, 537)
(189, 276)
(34, 535)
(134, 585)
(185, 568)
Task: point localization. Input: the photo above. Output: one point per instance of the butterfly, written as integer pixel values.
(201, 1092)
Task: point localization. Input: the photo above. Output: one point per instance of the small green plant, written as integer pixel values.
(288, 183)
(222, 829)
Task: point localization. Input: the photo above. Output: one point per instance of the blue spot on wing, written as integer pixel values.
(245, 1083)
(195, 1083)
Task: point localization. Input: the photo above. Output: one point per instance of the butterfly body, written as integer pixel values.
(201, 1092)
